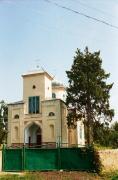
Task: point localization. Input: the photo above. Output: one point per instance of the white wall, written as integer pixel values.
(48, 88)
(60, 93)
(80, 138)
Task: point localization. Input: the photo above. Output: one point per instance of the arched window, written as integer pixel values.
(52, 130)
(16, 132)
(53, 95)
(16, 116)
(51, 114)
(80, 132)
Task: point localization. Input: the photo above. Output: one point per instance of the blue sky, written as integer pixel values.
(35, 29)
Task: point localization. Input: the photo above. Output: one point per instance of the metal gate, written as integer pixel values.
(37, 159)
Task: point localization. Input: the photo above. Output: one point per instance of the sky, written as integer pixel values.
(36, 32)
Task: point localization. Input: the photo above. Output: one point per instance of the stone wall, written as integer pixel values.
(109, 159)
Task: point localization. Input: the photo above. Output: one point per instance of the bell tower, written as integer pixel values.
(36, 84)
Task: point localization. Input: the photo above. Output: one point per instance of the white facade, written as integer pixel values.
(40, 118)
(80, 133)
(59, 91)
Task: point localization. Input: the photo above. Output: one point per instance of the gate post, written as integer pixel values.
(59, 155)
(23, 158)
(3, 157)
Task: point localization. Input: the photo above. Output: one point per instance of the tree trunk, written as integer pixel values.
(89, 134)
(89, 125)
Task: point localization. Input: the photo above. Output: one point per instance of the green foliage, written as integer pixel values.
(114, 135)
(97, 162)
(110, 175)
(115, 126)
(88, 93)
(106, 136)
(3, 121)
(101, 133)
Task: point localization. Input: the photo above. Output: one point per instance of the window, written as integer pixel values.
(34, 104)
(16, 116)
(16, 132)
(53, 95)
(80, 132)
(51, 114)
(33, 87)
(52, 130)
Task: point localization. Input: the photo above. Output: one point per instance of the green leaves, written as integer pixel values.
(3, 120)
(105, 135)
(88, 89)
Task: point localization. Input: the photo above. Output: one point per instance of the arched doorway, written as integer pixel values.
(38, 136)
(33, 135)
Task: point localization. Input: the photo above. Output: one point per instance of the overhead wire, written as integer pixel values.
(94, 8)
(77, 12)
(82, 14)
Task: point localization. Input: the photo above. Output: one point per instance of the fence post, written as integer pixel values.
(23, 158)
(59, 155)
(3, 157)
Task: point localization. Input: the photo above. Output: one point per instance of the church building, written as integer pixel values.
(40, 118)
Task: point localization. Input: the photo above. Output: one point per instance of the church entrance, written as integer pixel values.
(39, 138)
(33, 135)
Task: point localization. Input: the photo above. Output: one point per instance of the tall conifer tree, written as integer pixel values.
(88, 92)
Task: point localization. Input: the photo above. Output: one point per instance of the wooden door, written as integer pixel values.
(38, 139)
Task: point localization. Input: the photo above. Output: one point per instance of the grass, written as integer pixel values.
(56, 175)
(53, 175)
(100, 147)
(110, 175)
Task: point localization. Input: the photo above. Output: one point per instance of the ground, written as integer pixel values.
(51, 176)
(56, 175)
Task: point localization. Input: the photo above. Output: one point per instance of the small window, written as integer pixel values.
(16, 116)
(51, 114)
(16, 132)
(80, 132)
(33, 87)
(53, 95)
(52, 131)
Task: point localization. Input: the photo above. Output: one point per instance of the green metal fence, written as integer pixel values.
(12, 159)
(41, 159)
(34, 159)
